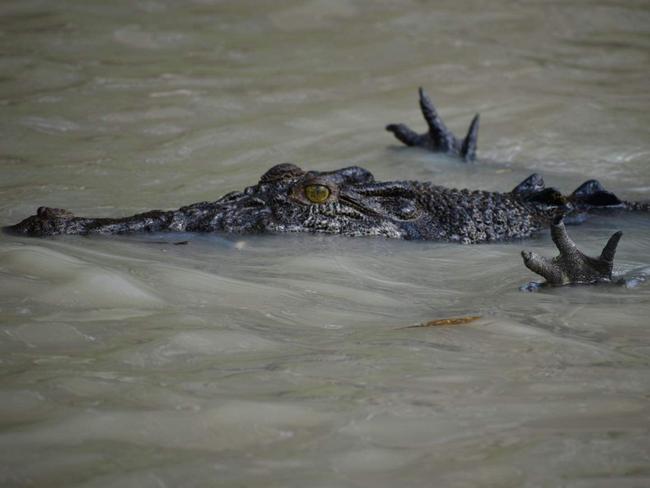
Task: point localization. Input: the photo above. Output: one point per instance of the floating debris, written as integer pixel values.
(445, 322)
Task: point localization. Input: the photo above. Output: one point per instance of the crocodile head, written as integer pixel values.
(286, 199)
(347, 201)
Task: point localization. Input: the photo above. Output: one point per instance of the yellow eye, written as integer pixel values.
(317, 193)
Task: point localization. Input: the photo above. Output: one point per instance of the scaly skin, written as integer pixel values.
(356, 205)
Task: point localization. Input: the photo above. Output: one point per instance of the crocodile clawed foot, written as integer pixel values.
(438, 138)
(572, 266)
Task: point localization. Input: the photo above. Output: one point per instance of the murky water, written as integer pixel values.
(279, 360)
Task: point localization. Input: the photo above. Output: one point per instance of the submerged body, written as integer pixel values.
(348, 202)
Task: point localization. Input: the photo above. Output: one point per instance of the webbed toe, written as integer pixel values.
(438, 138)
(572, 266)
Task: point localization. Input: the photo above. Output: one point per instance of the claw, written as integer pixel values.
(561, 238)
(610, 248)
(542, 266)
(470, 144)
(404, 134)
(572, 266)
(439, 138)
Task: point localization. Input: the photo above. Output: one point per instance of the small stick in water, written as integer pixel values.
(445, 322)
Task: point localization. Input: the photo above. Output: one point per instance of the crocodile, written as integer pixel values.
(350, 202)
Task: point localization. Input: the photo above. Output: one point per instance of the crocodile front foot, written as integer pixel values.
(572, 266)
(438, 138)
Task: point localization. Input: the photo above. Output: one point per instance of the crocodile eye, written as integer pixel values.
(317, 193)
